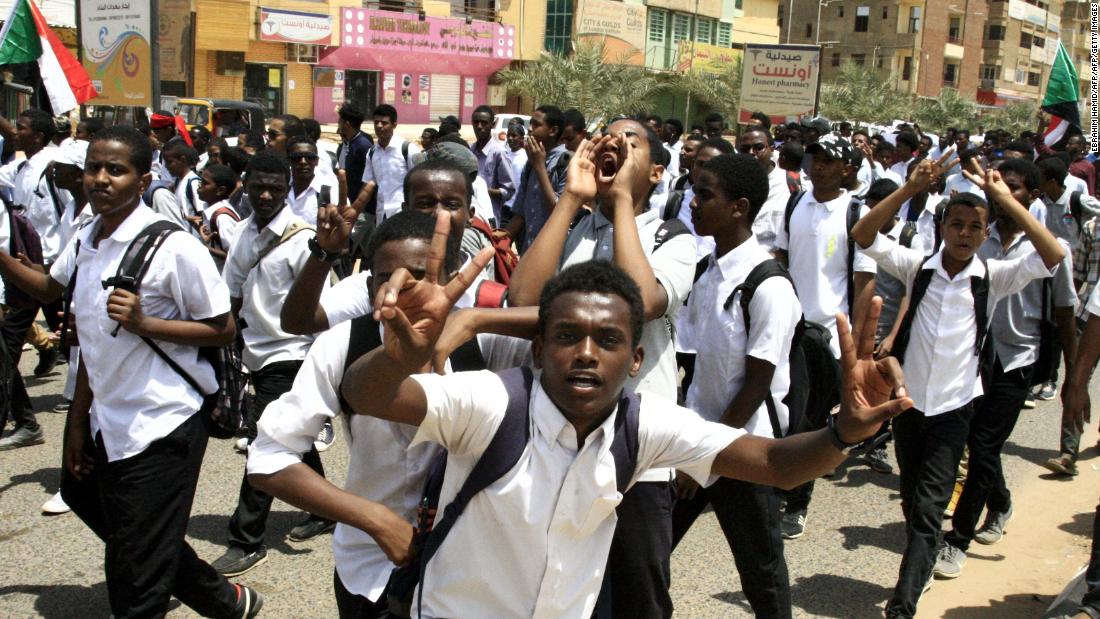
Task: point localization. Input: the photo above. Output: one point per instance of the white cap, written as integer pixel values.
(73, 153)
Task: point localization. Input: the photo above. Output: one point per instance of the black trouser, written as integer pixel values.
(13, 329)
(928, 450)
(638, 564)
(749, 517)
(995, 416)
(352, 606)
(139, 506)
(1091, 601)
(249, 521)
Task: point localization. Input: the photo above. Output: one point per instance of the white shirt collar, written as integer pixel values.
(736, 260)
(281, 220)
(975, 268)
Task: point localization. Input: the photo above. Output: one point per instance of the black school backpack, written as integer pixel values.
(851, 219)
(502, 454)
(815, 373)
(225, 407)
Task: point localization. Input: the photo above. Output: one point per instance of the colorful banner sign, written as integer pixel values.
(386, 30)
(704, 58)
(620, 26)
(780, 80)
(1018, 9)
(295, 27)
(115, 36)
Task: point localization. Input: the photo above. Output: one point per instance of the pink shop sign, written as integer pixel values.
(387, 30)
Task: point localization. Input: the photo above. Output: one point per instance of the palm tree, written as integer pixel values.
(583, 80)
(950, 109)
(861, 95)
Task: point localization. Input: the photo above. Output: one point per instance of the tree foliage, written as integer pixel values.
(583, 80)
(860, 94)
(721, 93)
(950, 109)
(1014, 117)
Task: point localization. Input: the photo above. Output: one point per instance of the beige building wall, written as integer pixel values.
(529, 19)
(757, 22)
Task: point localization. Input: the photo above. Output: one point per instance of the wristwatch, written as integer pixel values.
(319, 252)
(834, 436)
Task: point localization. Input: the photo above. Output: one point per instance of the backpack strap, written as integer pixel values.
(851, 219)
(673, 204)
(920, 286)
(667, 231)
(792, 202)
(468, 357)
(759, 274)
(51, 189)
(1075, 207)
(139, 255)
(979, 289)
(490, 294)
(504, 451)
(908, 231)
(624, 446)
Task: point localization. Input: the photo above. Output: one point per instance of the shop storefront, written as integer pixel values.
(426, 67)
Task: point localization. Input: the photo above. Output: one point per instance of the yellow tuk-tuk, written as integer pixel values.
(223, 117)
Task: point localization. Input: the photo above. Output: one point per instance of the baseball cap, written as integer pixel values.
(456, 154)
(73, 153)
(835, 147)
(819, 124)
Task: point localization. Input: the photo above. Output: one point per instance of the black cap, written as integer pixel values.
(835, 147)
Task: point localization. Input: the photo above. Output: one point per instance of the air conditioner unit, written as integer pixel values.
(230, 63)
(301, 52)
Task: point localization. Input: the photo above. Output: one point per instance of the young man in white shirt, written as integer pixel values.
(384, 474)
(387, 163)
(220, 219)
(944, 327)
(661, 257)
(270, 250)
(307, 188)
(742, 371)
(1016, 332)
(43, 206)
(756, 141)
(180, 160)
(906, 149)
(829, 274)
(562, 491)
(135, 435)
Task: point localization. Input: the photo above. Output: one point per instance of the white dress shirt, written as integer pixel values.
(958, 183)
(817, 256)
(387, 168)
(560, 497)
(263, 284)
(305, 204)
(901, 168)
(138, 398)
(350, 298)
(382, 467)
(770, 218)
(720, 356)
(187, 196)
(224, 224)
(1072, 183)
(28, 188)
(941, 369)
(926, 222)
(518, 159)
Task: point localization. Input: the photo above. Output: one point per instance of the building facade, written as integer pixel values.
(991, 51)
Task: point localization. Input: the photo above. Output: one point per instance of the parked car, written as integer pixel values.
(500, 127)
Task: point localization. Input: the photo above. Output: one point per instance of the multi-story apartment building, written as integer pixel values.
(1020, 42)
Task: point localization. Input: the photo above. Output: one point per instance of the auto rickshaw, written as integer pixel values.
(223, 117)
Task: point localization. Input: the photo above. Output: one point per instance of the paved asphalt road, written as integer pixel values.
(844, 567)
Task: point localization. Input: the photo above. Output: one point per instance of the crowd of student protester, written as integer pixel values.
(563, 346)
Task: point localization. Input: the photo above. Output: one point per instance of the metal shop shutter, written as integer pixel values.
(446, 97)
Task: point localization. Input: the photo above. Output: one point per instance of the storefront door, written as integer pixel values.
(264, 84)
(362, 91)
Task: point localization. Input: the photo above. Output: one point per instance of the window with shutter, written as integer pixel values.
(657, 24)
(725, 34)
(681, 27)
(704, 30)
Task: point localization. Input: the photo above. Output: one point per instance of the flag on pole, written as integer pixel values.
(27, 38)
(1061, 99)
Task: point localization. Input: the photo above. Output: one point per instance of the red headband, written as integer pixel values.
(160, 121)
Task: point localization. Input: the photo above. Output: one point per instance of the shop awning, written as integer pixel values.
(390, 41)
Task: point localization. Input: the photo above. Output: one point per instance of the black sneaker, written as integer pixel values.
(878, 460)
(237, 561)
(46, 360)
(310, 528)
(249, 602)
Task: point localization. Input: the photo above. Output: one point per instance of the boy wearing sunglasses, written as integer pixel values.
(307, 188)
(756, 141)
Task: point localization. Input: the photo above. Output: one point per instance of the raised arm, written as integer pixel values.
(628, 252)
(27, 277)
(540, 261)
(1045, 243)
(465, 324)
(302, 313)
(926, 173)
(871, 392)
(413, 312)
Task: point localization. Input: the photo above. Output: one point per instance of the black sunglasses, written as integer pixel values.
(301, 156)
(747, 148)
